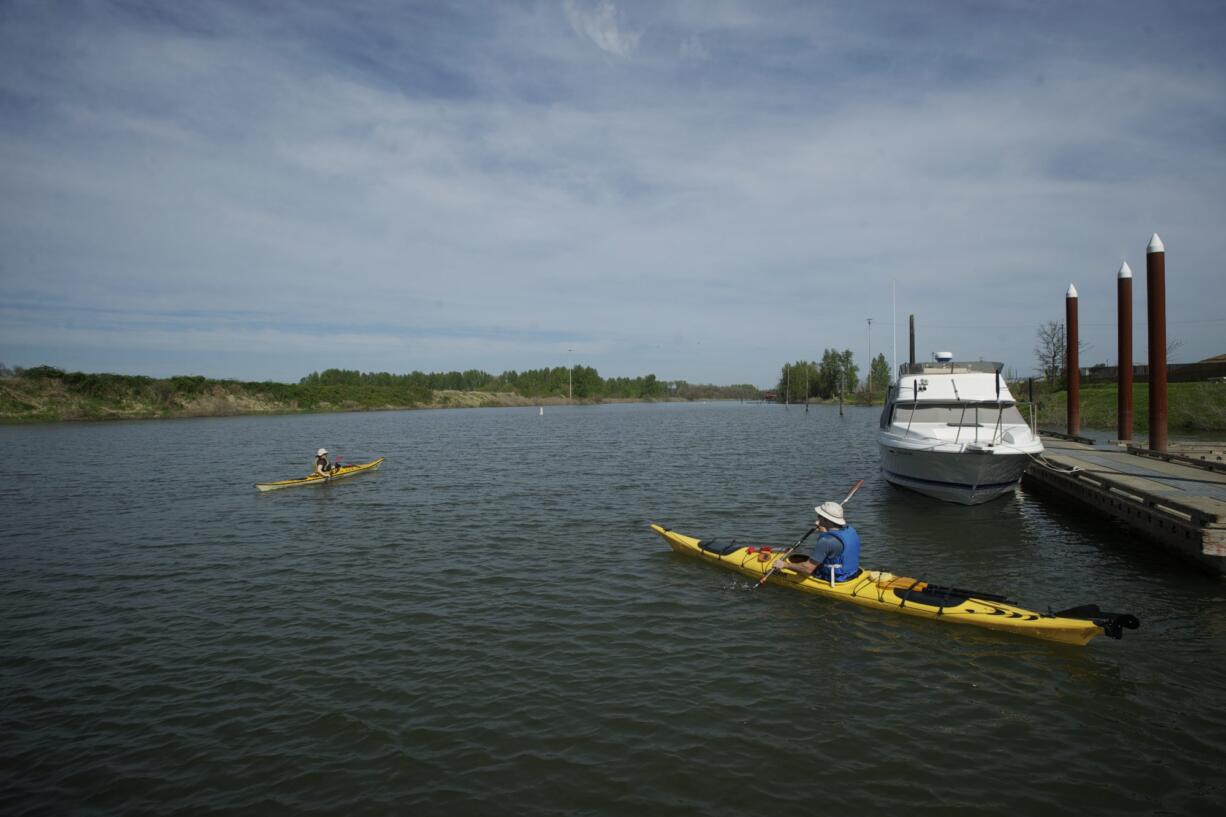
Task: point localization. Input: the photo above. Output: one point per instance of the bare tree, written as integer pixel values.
(1172, 346)
(1050, 351)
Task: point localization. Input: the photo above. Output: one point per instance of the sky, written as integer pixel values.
(701, 190)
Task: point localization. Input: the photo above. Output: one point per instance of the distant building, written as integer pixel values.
(1211, 368)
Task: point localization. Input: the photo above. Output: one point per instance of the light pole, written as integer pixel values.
(570, 380)
(868, 379)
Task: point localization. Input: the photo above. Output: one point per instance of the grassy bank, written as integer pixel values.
(1191, 407)
(53, 396)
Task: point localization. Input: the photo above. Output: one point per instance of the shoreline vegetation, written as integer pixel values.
(46, 394)
(1191, 407)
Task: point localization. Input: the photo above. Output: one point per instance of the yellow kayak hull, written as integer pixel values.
(315, 479)
(899, 594)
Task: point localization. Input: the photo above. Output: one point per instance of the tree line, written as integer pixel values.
(836, 373)
(582, 382)
(350, 387)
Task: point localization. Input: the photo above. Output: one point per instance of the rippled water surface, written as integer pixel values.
(487, 626)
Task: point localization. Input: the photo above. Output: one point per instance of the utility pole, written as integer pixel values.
(868, 380)
(570, 379)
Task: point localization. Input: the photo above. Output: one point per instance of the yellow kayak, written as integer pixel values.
(912, 597)
(316, 479)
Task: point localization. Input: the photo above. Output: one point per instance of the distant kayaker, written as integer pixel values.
(322, 466)
(837, 549)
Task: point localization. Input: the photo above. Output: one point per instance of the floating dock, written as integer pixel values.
(1175, 497)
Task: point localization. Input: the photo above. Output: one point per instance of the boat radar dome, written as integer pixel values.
(944, 357)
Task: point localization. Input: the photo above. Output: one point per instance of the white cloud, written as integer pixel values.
(600, 22)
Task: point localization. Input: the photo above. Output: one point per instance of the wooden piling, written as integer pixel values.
(1155, 290)
(1124, 321)
(1073, 362)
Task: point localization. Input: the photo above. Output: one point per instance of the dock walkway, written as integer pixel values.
(1178, 500)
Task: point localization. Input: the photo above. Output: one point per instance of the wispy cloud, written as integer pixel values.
(601, 23)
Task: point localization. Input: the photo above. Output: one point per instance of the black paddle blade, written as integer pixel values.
(1113, 624)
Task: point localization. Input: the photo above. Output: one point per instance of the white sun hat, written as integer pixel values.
(321, 452)
(832, 511)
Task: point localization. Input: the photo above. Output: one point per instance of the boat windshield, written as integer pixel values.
(957, 414)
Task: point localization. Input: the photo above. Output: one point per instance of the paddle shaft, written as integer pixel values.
(784, 555)
(852, 493)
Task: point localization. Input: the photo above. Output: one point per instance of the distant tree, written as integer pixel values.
(44, 371)
(586, 381)
(851, 372)
(1052, 352)
(798, 381)
(1172, 346)
(879, 374)
(828, 374)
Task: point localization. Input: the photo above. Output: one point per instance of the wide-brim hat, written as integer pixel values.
(321, 452)
(832, 511)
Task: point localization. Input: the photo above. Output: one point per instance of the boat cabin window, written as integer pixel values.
(956, 414)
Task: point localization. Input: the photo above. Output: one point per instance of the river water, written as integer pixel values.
(487, 626)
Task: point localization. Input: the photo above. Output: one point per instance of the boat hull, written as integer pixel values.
(898, 594)
(964, 477)
(314, 479)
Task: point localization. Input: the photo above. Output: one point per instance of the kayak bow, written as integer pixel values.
(316, 479)
(913, 597)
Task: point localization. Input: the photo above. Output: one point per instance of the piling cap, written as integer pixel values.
(1155, 245)
(1125, 270)
(1072, 292)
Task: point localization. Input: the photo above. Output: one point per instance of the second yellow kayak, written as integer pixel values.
(316, 479)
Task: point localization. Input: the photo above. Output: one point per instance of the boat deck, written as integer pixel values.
(1177, 498)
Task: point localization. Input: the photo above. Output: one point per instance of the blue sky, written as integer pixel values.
(700, 190)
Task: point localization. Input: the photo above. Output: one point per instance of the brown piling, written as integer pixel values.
(911, 359)
(1124, 321)
(1073, 363)
(1155, 293)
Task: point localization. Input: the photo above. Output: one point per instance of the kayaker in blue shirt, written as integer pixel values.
(837, 549)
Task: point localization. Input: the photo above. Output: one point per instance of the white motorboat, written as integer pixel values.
(953, 431)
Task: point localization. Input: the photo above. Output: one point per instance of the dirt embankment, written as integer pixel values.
(54, 400)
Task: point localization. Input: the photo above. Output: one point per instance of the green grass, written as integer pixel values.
(1191, 407)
